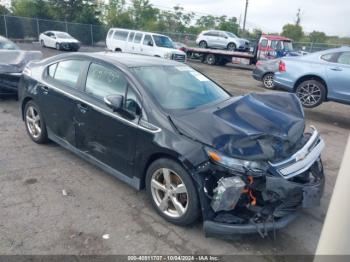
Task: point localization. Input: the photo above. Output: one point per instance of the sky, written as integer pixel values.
(329, 16)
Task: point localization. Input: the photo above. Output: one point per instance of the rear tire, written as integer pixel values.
(210, 59)
(311, 93)
(35, 123)
(172, 192)
(58, 47)
(203, 44)
(267, 81)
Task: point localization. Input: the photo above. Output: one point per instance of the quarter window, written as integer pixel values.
(327, 57)
(344, 58)
(138, 38)
(121, 35)
(102, 81)
(51, 70)
(67, 72)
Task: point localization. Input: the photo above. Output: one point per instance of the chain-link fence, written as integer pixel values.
(24, 28)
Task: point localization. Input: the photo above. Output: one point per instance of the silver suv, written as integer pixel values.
(222, 40)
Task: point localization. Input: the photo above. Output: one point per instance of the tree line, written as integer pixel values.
(142, 15)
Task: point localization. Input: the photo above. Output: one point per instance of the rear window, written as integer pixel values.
(67, 72)
(110, 33)
(120, 35)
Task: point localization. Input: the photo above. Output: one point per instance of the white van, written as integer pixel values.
(137, 42)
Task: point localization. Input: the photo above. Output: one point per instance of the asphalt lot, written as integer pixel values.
(36, 218)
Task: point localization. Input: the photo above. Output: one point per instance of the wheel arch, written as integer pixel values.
(154, 157)
(24, 102)
(311, 77)
(117, 49)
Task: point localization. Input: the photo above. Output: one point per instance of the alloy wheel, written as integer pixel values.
(169, 192)
(309, 94)
(231, 47)
(268, 81)
(203, 44)
(33, 122)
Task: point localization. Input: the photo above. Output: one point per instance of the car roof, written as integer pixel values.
(136, 31)
(125, 59)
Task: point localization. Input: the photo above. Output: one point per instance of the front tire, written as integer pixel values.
(35, 123)
(311, 93)
(267, 81)
(172, 192)
(231, 47)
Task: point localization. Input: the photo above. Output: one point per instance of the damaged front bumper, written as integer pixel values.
(267, 202)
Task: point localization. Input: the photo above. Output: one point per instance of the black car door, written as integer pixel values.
(57, 97)
(101, 133)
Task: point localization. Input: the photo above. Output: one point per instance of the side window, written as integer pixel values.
(51, 70)
(132, 104)
(67, 72)
(210, 33)
(102, 81)
(138, 38)
(147, 40)
(344, 58)
(120, 35)
(263, 43)
(273, 44)
(222, 35)
(131, 36)
(110, 33)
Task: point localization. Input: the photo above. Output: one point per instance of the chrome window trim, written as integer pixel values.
(101, 110)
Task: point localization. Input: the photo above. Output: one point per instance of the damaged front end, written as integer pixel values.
(240, 196)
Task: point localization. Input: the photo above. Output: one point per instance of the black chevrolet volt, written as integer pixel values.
(243, 164)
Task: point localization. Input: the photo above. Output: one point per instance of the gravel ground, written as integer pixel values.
(37, 218)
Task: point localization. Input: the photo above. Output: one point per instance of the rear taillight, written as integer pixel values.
(282, 66)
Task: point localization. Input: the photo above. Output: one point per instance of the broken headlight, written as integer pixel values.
(239, 165)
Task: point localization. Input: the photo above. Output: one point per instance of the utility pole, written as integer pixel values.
(245, 15)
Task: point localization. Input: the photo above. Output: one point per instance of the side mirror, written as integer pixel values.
(150, 43)
(115, 102)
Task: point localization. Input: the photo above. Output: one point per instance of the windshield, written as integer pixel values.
(163, 41)
(288, 46)
(231, 34)
(63, 35)
(179, 87)
(8, 45)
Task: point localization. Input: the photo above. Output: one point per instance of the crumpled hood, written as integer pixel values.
(14, 61)
(257, 126)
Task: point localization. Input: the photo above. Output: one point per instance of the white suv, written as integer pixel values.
(137, 42)
(222, 40)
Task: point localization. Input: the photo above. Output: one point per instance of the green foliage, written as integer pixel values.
(31, 8)
(317, 37)
(4, 10)
(294, 32)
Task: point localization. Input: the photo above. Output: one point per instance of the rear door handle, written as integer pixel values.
(82, 107)
(336, 69)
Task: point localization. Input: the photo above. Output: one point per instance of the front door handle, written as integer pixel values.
(336, 68)
(82, 107)
(45, 89)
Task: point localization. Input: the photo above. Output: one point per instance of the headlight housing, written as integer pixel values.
(167, 55)
(239, 165)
